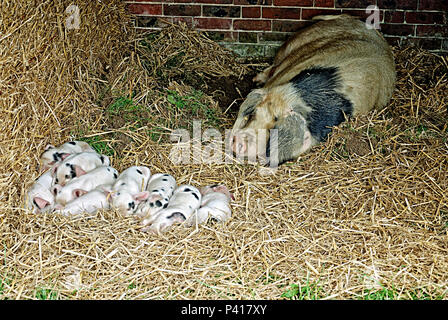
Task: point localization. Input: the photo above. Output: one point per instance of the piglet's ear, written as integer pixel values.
(141, 196)
(54, 169)
(64, 155)
(79, 193)
(79, 171)
(41, 203)
(48, 147)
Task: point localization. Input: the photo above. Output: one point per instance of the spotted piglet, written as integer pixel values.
(160, 187)
(185, 201)
(85, 183)
(88, 202)
(215, 203)
(39, 197)
(77, 165)
(52, 154)
(130, 189)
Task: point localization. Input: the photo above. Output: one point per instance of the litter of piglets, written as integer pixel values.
(75, 179)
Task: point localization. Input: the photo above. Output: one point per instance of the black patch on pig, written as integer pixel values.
(72, 143)
(35, 203)
(56, 156)
(138, 171)
(165, 205)
(177, 215)
(195, 195)
(187, 190)
(317, 88)
(164, 179)
(166, 175)
(158, 203)
(102, 159)
(214, 185)
(131, 205)
(115, 175)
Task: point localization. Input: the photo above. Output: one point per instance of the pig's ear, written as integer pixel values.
(79, 193)
(79, 171)
(64, 155)
(41, 203)
(141, 196)
(48, 147)
(54, 168)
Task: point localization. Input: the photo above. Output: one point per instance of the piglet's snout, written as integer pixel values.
(238, 144)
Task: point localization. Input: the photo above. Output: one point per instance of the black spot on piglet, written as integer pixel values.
(158, 203)
(177, 215)
(139, 172)
(195, 195)
(102, 159)
(72, 143)
(187, 190)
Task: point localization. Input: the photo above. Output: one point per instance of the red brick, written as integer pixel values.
(397, 29)
(212, 23)
(425, 17)
(261, 25)
(253, 2)
(295, 3)
(307, 14)
(181, 10)
(221, 11)
(432, 30)
(354, 3)
(251, 12)
(281, 13)
(361, 14)
(393, 16)
(441, 5)
(289, 25)
(426, 43)
(324, 3)
(398, 4)
(145, 9)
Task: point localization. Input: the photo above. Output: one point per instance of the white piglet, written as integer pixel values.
(39, 197)
(77, 165)
(160, 187)
(215, 203)
(90, 202)
(52, 154)
(85, 183)
(185, 201)
(130, 189)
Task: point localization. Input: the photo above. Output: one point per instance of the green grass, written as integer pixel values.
(99, 145)
(46, 294)
(309, 291)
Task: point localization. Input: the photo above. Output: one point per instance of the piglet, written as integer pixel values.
(215, 203)
(185, 201)
(89, 202)
(52, 154)
(39, 197)
(77, 165)
(85, 183)
(160, 187)
(130, 189)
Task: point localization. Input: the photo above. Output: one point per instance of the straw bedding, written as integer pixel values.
(363, 212)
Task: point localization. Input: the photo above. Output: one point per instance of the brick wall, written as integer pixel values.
(257, 27)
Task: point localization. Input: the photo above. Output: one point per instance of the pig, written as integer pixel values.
(88, 202)
(184, 202)
(334, 69)
(215, 203)
(160, 187)
(85, 183)
(39, 198)
(77, 165)
(130, 189)
(52, 155)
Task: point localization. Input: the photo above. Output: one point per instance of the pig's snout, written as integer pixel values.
(238, 144)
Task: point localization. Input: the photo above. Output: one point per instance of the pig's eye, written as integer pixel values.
(57, 181)
(275, 118)
(67, 176)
